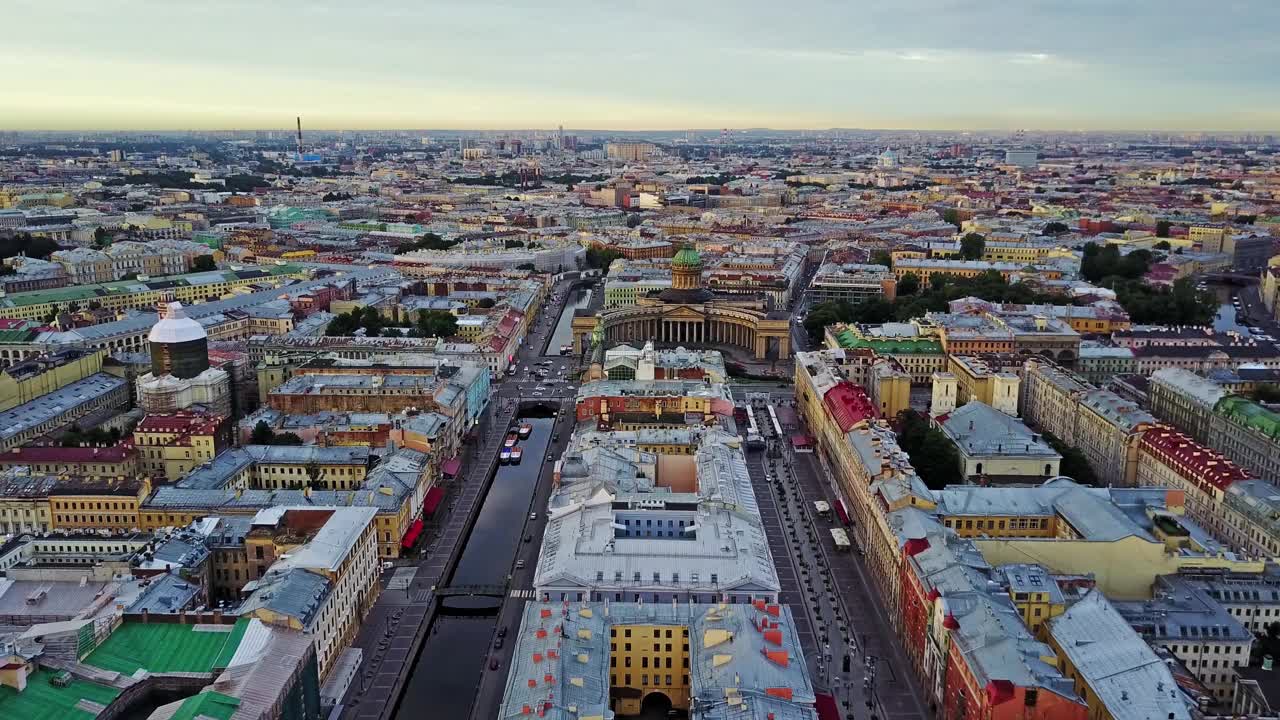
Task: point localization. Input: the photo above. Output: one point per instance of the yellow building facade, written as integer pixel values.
(98, 504)
(649, 658)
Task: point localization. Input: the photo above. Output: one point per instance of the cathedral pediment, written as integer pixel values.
(682, 312)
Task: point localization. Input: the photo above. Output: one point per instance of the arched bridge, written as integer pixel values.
(492, 591)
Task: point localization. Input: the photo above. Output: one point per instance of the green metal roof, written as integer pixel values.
(687, 257)
(207, 704)
(1250, 414)
(82, 293)
(166, 647)
(850, 341)
(42, 701)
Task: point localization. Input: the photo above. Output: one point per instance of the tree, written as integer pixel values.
(1266, 393)
(932, 454)
(1162, 245)
(509, 244)
(286, 438)
(262, 434)
(972, 245)
(601, 258)
(909, 285)
(882, 257)
(952, 216)
(203, 263)
(25, 244)
(101, 237)
(634, 221)
(824, 314)
(435, 323)
(486, 303)
(526, 266)
(1075, 464)
(1055, 228)
(1162, 228)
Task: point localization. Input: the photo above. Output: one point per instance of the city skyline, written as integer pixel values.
(939, 65)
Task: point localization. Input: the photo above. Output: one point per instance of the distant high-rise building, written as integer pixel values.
(1021, 158)
(629, 151)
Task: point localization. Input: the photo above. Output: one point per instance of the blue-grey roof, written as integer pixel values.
(980, 430)
(166, 594)
(24, 417)
(729, 671)
(293, 592)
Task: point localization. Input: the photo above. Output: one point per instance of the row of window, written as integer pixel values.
(644, 680)
(108, 505)
(657, 577)
(1018, 524)
(656, 597)
(644, 659)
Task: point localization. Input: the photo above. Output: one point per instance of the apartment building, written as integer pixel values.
(1103, 425)
(172, 445)
(319, 573)
(1197, 630)
(111, 461)
(1112, 667)
(852, 283)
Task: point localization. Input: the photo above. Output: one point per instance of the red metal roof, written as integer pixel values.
(1190, 459)
(53, 453)
(849, 405)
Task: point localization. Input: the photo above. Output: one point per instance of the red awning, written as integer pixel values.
(452, 466)
(410, 537)
(434, 496)
(844, 514)
(826, 707)
(800, 440)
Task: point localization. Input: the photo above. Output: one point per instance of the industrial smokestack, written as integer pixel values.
(299, 136)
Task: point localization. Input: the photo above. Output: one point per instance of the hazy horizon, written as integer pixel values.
(930, 66)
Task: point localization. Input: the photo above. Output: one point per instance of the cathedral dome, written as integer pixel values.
(687, 258)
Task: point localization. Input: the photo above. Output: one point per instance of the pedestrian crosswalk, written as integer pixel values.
(524, 593)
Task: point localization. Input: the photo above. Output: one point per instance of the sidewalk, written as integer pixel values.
(391, 633)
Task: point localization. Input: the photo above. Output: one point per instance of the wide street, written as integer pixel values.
(827, 589)
(837, 613)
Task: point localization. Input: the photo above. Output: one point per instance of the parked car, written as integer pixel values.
(494, 663)
(497, 644)
(502, 631)
(519, 564)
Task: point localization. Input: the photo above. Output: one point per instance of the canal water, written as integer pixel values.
(563, 335)
(443, 681)
(1226, 320)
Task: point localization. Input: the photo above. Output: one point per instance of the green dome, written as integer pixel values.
(687, 257)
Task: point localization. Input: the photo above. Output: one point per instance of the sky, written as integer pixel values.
(658, 65)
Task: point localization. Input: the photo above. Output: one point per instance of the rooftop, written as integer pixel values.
(748, 653)
(23, 418)
(1117, 664)
(41, 700)
(980, 430)
(168, 647)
